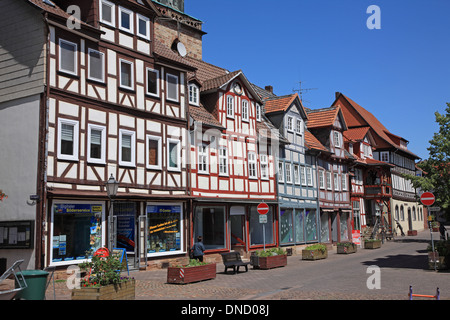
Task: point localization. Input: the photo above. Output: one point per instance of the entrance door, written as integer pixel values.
(237, 221)
(410, 223)
(125, 219)
(334, 227)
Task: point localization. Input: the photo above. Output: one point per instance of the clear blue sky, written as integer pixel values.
(400, 73)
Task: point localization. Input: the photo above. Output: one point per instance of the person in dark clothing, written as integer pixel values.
(198, 249)
(442, 230)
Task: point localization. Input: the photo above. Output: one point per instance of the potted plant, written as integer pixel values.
(346, 247)
(103, 281)
(315, 252)
(193, 272)
(268, 259)
(441, 255)
(372, 243)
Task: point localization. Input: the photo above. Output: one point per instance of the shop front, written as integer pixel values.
(335, 225)
(298, 226)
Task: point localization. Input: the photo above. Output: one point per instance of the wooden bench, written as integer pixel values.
(233, 260)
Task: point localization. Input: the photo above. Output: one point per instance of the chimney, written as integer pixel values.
(269, 88)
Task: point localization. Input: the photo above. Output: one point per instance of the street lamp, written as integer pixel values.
(111, 189)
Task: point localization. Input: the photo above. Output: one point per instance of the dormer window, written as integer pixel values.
(337, 139)
(290, 124)
(299, 126)
(107, 13)
(193, 94)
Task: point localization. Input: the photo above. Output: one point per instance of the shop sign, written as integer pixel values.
(163, 209)
(80, 208)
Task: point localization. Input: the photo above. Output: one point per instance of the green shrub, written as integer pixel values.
(270, 252)
(317, 246)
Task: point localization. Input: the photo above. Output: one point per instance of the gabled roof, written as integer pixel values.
(326, 117)
(357, 134)
(365, 118)
(200, 114)
(312, 143)
(283, 103)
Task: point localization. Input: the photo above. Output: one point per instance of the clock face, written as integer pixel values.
(237, 88)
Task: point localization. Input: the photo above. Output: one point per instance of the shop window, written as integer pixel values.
(210, 223)
(299, 226)
(344, 226)
(324, 228)
(286, 226)
(76, 230)
(310, 225)
(165, 232)
(256, 231)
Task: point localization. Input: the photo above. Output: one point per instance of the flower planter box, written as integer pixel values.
(314, 254)
(372, 244)
(184, 275)
(122, 291)
(269, 262)
(346, 248)
(412, 232)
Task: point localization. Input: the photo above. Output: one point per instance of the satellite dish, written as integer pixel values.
(181, 49)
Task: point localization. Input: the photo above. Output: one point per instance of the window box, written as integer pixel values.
(315, 252)
(268, 259)
(188, 274)
(372, 244)
(346, 247)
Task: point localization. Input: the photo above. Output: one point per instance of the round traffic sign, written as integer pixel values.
(263, 208)
(427, 199)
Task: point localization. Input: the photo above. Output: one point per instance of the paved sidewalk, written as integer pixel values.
(402, 262)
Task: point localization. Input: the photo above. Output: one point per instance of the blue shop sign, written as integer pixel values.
(80, 208)
(163, 209)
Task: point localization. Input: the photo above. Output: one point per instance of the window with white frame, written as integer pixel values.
(126, 20)
(126, 74)
(280, 171)
(258, 112)
(127, 148)
(143, 26)
(309, 177)
(193, 94)
(336, 182)
(244, 110)
(299, 126)
(344, 182)
(154, 152)
(337, 138)
(230, 106)
(153, 82)
(107, 13)
(328, 180)
(303, 175)
(252, 165)
(384, 156)
(290, 124)
(96, 65)
(264, 166)
(68, 61)
(296, 174)
(172, 87)
(96, 144)
(174, 155)
(202, 158)
(321, 179)
(68, 140)
(288, 173)
(223, 161)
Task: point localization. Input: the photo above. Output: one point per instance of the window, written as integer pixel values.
(68, 57)
(96, 144)
(296, 174)
(328, 180)
(96, 65)
(322, 179)
(154, 150)
(193, 94)
(244, 110)
(143, 27)
(211, 223)
(258, 112)
(223, 161)
(288, 173)
(264, 166)
(299, 126)
(203, 158)
(172, 87)
(230, 106)
(126, 74)
(125, 20)
(152, 82)
(107, 13)
(174, 155)
(402, 213)
(309, 176)
(384, 156)
(336, 182)
(252, 165)
(303, 175)
(337, 139)
(127, 144)
(290, 124)
(280, 172)
(68, 139)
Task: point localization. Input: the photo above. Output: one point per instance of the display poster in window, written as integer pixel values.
(164, 229)
(77, 230)
(125, 214)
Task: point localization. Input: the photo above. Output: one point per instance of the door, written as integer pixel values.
(334, 227)
(237, 222)
(410, 223)
(125, 220)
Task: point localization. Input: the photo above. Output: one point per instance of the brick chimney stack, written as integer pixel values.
(269, 88)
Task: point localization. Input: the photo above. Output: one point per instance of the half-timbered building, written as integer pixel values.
(327, 125)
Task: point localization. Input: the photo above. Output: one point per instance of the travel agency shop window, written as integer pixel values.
(165, 232)
(77, 230)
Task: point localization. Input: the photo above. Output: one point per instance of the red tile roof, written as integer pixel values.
(356, 134)
(312, 143)
(321, 118)
(281, 103)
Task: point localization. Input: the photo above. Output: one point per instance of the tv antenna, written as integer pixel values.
(301, 91)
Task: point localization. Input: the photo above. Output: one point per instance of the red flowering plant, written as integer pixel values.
(102, 271)
(3, 196)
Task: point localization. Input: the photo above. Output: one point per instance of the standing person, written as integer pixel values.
(198, 249)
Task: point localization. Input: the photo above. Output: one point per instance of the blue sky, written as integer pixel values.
(400, 73)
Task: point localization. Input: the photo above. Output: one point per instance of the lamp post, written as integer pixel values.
(111, 189)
